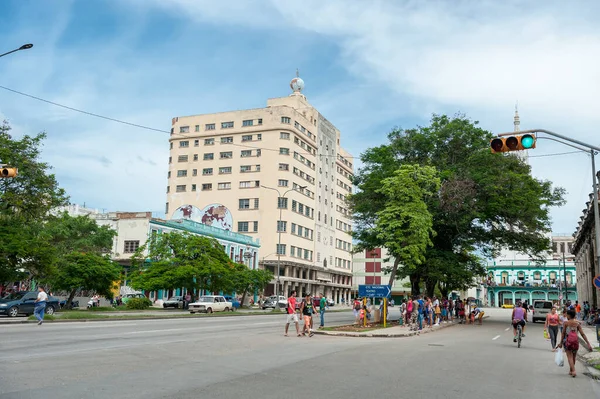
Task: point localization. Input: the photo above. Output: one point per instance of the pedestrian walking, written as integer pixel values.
(291, 314)
(551, 326)
(414, 314)
(571, 340)
(307, 311)
(578, 310)
(40, 305)
(356, 310)
(322, 306)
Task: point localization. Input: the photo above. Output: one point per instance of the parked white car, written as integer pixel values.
(209, 304)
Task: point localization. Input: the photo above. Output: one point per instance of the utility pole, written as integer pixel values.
(565, 277)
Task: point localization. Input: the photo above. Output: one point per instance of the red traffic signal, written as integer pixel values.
(512, 143)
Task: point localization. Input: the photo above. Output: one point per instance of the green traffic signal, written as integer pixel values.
(527, 141)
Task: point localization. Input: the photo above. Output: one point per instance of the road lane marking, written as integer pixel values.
(507, 329)
(495, 338)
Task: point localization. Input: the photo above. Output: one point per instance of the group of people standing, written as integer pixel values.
(419, 310)
(307, 309)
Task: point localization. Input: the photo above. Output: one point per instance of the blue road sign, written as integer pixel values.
(597, 281)
(374, 291)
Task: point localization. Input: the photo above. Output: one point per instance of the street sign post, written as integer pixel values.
(374, 291)
(597, 281)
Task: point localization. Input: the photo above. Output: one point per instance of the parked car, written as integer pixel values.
(317, 302)
(541, 310)
(63, 303)
(275, 300)
(23, 302)
(234, 302)
(508, 306)
(174, 302)
(210, 303)
(127, 297)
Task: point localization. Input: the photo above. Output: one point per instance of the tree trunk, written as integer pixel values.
(430, 287)
(394, 272)
(69, 301)
(444, 290)
(415, 280)
(243, 297)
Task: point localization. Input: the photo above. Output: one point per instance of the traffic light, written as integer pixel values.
(7, 172)
(512, 143)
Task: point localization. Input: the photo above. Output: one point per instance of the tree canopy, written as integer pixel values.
(25, 204)
(485, 201)
(173, 260)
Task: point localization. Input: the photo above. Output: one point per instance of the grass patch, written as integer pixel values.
(106, 309)
(46, 317)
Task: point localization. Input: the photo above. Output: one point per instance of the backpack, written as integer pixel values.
(572, 341)
(356, 305)
(409, 307)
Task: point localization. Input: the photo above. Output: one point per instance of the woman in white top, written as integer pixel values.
(40, 305)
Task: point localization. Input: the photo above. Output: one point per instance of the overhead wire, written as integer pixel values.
(146, 127)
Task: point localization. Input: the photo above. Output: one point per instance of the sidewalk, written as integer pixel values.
(591, 359)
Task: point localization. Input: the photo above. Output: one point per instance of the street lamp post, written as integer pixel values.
(279, 231)
(23, 47)
(592, 150)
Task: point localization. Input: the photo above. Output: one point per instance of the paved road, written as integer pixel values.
(249, 357)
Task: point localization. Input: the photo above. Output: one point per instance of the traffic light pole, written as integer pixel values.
(593, 150)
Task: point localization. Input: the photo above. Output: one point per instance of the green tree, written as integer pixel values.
(244, 280)
(25, 202)
(485, 202)
(174, 260)
(89, 271)
(79, 248)
(404, 224)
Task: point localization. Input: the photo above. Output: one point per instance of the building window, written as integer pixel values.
(195, 157)
(193, 187)
(537, 275)
(226, 125)
(285, 119)
(246, 153)
(284, 166)
(281, 226)
(245, 168)
(282, 203)
(259, 137)
(280, 249)
(256, 201)
(197, 128)
(282, 183)
(182, 173)
(171, 146)
(227, 140)
(207, 171)
(131, 246)
(259, 121)
(194, 172)
(247, 137)
(292, 251)
(207, 187)
(182, 158)
(180, 188)
(170, 159)
(244, 203)
(226, 155)
(184, 129)
(248, 122)
(209, 126)
(225, 170)
(210, 141)
(224, 186)
(166, 207)
(255, 226)
(249, 184)
(284, 151)
(184, 144)
(168, 189)
(257, 168)
(284, 136)
(209, 156)
(243, 227)
(196, 143)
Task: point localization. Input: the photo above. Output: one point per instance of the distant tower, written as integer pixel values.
(523, 155)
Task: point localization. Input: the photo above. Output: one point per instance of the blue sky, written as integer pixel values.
(368, 66)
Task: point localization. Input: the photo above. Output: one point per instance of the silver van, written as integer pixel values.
(541, 309)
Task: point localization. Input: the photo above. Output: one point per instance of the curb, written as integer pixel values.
(380, 334)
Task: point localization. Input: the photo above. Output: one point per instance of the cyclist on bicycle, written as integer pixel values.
(519, 316)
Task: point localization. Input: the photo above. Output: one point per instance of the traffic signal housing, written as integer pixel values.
(512, 143)
(8, 172)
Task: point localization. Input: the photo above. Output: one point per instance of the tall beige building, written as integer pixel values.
(244, 170)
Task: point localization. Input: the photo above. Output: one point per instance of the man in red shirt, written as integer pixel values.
(291, 314)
